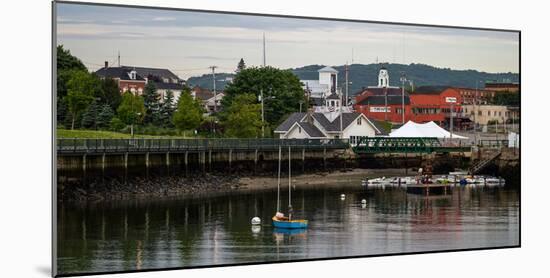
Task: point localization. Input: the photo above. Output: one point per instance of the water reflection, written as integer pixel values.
(148, 234)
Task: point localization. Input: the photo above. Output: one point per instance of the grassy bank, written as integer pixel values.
(93, 134)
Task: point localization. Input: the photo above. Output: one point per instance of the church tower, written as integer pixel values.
(383, 78)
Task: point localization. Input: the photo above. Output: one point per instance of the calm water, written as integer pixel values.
(137, 235)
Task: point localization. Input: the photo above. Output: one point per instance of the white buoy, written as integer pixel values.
(256, 221)
(342, 197)
(363, 201)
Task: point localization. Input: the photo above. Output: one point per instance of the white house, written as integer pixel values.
(329, 121)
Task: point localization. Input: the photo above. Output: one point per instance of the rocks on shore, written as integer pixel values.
(116, 188)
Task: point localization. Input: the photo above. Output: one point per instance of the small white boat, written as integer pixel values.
(377, 182)
(493, 181)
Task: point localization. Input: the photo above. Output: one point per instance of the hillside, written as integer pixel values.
(362, 75)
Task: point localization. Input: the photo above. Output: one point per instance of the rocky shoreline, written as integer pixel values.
(207, 184)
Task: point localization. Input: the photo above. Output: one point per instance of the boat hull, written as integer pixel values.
(293, 224)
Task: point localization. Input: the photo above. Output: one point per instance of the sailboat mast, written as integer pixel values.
(279, 183)
(289, 179)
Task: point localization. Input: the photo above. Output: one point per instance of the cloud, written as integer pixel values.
(163, 18)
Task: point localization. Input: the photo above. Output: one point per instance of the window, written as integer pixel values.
(359, 121)
(299, 129)
(479, 113)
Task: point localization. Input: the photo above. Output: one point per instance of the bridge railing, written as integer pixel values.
(78, 145)
(404, 145)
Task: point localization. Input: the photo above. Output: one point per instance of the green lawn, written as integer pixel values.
(92, 134)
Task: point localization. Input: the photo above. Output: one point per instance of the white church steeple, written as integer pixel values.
(383, 78)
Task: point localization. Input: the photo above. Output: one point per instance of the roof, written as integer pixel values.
(168, 86)
(122, 73)
(310, 129)
(380, 129)
(156, 72)
(383, 91)
(430, 90)
(347, 119)
(328, 69)
(333, 96)
(287, 124)
(381, 100)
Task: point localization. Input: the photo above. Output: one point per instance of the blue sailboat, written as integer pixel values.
(279, 220)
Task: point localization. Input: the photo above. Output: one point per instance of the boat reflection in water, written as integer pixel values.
(279, 234)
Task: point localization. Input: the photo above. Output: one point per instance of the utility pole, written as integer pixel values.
(385, 104)
(452, 109)
(118, 58)
(403, 79)
(262, 104)
(347, 84)
(214, 87)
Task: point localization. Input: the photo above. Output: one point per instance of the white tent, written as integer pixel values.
(431, 129)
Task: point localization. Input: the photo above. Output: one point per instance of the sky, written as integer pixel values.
(188, 43)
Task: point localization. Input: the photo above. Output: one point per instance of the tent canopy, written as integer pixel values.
(431, 129)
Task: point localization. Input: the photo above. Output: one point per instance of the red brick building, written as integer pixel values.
(428, 103)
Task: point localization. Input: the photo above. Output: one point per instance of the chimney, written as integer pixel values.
(106, 64)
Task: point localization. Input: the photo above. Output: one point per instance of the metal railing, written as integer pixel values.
(405, 145)
(77, 145)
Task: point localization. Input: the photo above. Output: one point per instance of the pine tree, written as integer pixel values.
(166, 110)
(105, 116)
(151, 101)
(241, 65)
(89, 119)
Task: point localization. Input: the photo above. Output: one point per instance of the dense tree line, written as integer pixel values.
(85, 101)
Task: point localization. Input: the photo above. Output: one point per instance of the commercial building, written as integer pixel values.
(502, 86)
(424, 104)
(487, 114)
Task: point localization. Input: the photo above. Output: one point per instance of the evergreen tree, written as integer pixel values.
(105, 116)
(110, 93)
(151, 101)
(61, 110)
(188, 114)
(241, 65)
(89, 118)
(166, 110)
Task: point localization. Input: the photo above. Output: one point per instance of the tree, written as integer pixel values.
(241, 66)
(110, 93)
(105, 116)
(188, 114)
(282, 91)
(166, 110)
(151, 101)
(81, 89)
(89, 119)
(131, 110)
(243, 118)
(66, 61)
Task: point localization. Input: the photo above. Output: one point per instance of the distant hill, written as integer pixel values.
(367, 75)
